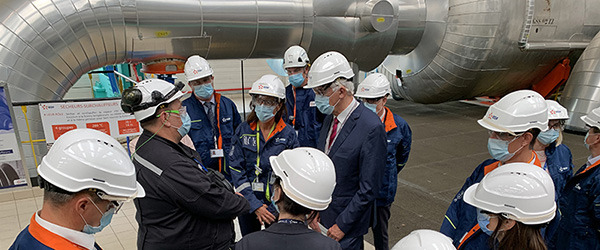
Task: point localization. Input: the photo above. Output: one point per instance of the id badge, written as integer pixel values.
(312, 104)
(258, 187)
(216, 153)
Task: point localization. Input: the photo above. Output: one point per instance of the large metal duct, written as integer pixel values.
(46, 45)
(582, 92)
(491, 47)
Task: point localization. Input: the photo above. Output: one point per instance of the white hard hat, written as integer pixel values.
(307, 176)
(328, 67)
(269, 85)
(84, 159)
(197, 67)
(517, 112)
(143, 99)
(295, 56)
(592, 119)
(556, 111)
(424, 239)
(522, 191)
(375, 85)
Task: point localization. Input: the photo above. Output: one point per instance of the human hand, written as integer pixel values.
(335, 233)
(264, 216)
(314, 224)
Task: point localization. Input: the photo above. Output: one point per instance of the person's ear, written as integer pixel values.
(527, 138)
(384, 100)
(81, 203)
(277, 195)
(508, 224)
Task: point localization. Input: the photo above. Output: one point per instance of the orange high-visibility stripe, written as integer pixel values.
(220, 138)
(489, 168)
(278, 128)
(388, 120)
(590, 167)
(50, 239)
(469, 234)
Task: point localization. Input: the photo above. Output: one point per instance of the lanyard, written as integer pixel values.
(291, 221)
(294, 120)
(200, 164)
(258, 170)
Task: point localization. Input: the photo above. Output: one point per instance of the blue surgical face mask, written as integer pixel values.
(498, 149)
(296, 80)
(104, 221)
(186, 124)
(264, 112)
(204, 91)
(372, 107)
(548, 136)
(585, 140)
(322, 103)
(274, 202)
(483, 220)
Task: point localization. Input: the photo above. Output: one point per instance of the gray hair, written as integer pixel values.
(349, 85)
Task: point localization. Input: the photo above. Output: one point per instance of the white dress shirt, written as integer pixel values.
(77, 237)
(342, 118)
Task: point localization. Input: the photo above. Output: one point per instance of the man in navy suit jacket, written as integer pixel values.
(355, 140)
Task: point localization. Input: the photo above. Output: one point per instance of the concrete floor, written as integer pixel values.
(447, 146)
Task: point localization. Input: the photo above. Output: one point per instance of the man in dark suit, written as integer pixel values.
(355, 140)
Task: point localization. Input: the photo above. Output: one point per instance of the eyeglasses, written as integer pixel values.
(201, 81)
(371, 100)
(117, 204)
(181, 111)
(505, 136)
(322, 90)
(556, 124)
(264, 100)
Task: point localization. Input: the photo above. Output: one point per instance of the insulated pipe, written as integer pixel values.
(582, 90)
(46, 45)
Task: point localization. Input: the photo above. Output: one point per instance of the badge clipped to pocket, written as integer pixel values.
(258, 187)
(312, 104)
(216, 153)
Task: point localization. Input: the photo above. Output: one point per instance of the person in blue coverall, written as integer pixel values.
(513, 123)
(214, 117)
(579, 203)
(555, 157)
(355, 140)
(302, 111)
(265, 134)
(76, 204)
(373, 92)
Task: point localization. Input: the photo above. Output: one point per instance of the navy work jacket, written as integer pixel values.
(359, 154)
(399, 138)
(579, 227)
(303, 115)
(202, 134)
(250, 165)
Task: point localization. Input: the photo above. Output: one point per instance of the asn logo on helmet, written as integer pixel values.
(491, 116)
(554, 112)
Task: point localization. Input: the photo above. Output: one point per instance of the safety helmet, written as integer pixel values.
(556, 111)
(328, 67)
(517, 112)
(424, 239)
(307, 176)
(520, 191)
(83, 159)
(269, 85)
(295, 56)
(143, 99)
(592, 119)
(197, 67)
(374, 86)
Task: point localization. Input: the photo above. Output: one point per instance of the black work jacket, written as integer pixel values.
(286, 236)
(184, 206)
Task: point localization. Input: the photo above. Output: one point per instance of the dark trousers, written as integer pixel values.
(380, 230)
(355, 243)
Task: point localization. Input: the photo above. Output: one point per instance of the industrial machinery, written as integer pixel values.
(445, 49)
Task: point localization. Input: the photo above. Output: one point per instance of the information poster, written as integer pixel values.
(105, 116)
(12, 171)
